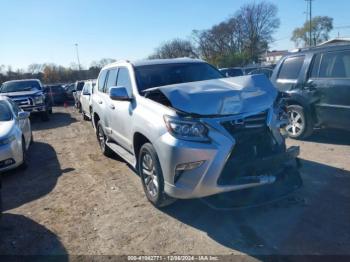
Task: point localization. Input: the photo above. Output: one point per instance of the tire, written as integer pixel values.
(300, 122)
(102, 140)
(84, 116)
(45, 116)
(24, 164)
(152, 177)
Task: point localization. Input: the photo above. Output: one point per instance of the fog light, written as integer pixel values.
(7, 162)
(186, 166)
(189, 166)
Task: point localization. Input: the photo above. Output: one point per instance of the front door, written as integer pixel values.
(121, 123)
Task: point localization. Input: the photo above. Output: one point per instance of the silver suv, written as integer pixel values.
(189, 131)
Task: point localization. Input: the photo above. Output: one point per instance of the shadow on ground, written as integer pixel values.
(57, 119)
(22, 236)
(312, 220)
(23, 186)
(330, 136)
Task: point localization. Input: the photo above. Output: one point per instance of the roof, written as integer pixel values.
(339, 46)
(336, 40)
(156, 62)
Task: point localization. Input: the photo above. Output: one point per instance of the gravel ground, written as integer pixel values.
(73, 200)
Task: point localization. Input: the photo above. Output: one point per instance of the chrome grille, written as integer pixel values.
(24, 101)
(253, 122)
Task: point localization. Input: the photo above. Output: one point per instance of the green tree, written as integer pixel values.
(321, 27)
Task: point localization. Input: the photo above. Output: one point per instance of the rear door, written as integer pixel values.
(85, 97)
(330, 77)
(288, 76)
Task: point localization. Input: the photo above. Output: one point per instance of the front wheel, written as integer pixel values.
(102, 139)
(152, 177)
(300, 123)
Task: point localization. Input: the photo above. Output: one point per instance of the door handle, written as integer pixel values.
(112, 107)
(100, 102)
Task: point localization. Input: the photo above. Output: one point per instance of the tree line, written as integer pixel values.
(52, 73)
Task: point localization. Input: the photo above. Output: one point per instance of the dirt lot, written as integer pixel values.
(73, 200)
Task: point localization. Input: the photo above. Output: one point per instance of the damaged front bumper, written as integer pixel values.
(234, 160)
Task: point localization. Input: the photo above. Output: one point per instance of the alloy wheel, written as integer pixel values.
(296, 123)
(101, 138)
(150, 175)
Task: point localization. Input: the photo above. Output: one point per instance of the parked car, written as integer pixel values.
(29, 95)
(232, 71)
(317, 82)
(188, 131)
(263, 70)
(77, 92)
(15, 135)
(69, 91)
(85, 99)
(56, 93)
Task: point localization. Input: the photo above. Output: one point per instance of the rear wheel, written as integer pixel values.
(300, 123)
(102, 139)
(152, 177)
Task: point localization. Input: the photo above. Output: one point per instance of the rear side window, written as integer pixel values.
(101, 80)
(112, 79)
(291, 68)
(335, 65)
(124, 79)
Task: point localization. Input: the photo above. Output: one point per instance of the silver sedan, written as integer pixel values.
(15, 135)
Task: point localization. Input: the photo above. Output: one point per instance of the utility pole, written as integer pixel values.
(309, 2)
(76, 49)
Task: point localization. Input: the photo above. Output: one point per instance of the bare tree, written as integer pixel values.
(246, 34)
(174, 49)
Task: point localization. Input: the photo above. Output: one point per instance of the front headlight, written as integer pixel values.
(186, 129)
(39, 100)
(7, 140)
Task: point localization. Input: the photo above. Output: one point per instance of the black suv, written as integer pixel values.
(28, 95)
(316, 82)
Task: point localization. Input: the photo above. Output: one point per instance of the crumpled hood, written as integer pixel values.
(22, 93)
(5, 128)
(223, 96)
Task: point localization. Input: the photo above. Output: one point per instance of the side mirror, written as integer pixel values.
(119, 93)
(23, 115)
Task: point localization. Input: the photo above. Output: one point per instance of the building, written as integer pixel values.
(272, 57)
(338, 40)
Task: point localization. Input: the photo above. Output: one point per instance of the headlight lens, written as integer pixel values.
(186, 129)
(39, 99)
(7, 140)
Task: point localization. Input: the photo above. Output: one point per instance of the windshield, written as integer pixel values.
(5, 112)
(18, 86)
(168, 74)
(232, 72)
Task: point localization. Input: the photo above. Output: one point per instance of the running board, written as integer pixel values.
(122, 153)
